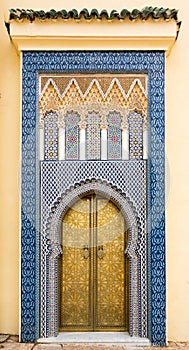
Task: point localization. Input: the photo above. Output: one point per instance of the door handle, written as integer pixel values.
(100, 252)
(85, 251)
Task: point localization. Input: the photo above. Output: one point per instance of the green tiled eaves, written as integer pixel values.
(146, 13)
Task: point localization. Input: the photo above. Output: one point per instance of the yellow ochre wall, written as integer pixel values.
(177, 148)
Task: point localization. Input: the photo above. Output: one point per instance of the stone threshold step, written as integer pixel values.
(100, 338)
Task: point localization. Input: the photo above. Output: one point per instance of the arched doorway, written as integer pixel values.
(48, 187)
(94, 268)
(54, 252)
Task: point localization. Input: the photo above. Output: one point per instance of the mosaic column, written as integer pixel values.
(135, 136)
(72, 135)
(114, 135)
(93, 136)
(51, 136)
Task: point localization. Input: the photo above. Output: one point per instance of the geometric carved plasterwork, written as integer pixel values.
(40, 73)
(102, 103)
(93, 93)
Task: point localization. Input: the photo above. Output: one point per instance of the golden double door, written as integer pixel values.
(94, 268)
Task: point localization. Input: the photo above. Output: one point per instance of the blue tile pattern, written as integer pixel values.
(148, 62)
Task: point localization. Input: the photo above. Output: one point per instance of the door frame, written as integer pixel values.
(54, 249)
(149, 62)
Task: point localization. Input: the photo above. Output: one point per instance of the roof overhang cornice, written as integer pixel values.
(103, 34)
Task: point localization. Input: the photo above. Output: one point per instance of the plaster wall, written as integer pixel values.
(177, 175)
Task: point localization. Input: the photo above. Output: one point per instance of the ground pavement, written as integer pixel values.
(10, 342)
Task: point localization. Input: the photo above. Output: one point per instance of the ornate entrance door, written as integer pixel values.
(94, 269)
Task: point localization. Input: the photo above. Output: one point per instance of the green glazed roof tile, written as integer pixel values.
(144, 14)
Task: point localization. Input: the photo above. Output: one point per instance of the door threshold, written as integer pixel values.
(104, 338)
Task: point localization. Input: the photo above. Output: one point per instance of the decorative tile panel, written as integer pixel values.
(51, 136)
(114, 136)
(93, 136)
(150, 63)
(72, 135)
(135, 136)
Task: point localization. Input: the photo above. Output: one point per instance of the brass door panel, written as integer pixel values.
(75, 294)
(93, 270)
(110, 306)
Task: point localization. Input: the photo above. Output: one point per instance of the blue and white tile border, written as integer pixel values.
(151, 63)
